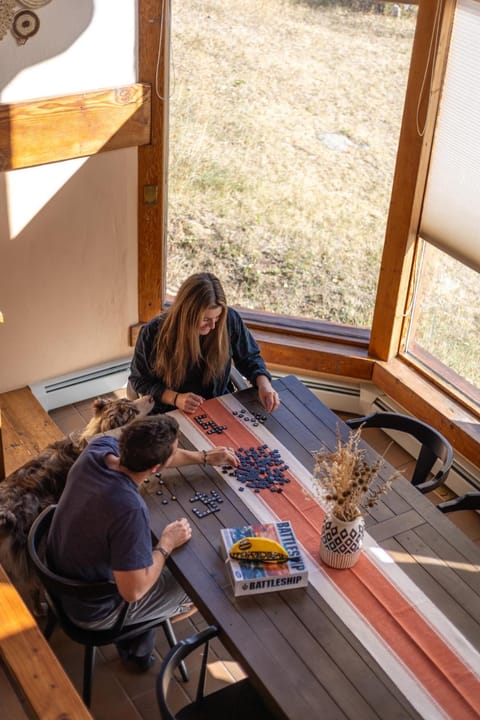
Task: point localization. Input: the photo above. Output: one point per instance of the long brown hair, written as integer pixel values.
(179, 344)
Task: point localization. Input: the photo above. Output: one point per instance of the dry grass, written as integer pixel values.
(285, 119)
(259, 90)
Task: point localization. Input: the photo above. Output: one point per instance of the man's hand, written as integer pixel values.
(215, 456)
(222, 456)
(175, 534)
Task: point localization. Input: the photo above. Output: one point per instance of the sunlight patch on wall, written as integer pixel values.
(30, 190)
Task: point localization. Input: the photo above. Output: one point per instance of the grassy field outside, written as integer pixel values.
(284, 125)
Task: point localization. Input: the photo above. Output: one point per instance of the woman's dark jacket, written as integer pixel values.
(243, 350)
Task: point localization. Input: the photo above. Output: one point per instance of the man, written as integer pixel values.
(101, 530)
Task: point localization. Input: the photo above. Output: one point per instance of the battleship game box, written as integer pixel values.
(252, 578)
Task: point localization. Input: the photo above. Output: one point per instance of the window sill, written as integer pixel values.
(429, 403)
(329, 349)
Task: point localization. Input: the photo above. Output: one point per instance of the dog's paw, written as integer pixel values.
(8, 519)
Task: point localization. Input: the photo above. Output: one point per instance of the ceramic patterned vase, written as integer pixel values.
(341, 542)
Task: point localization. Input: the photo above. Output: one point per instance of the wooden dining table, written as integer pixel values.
(397, 636)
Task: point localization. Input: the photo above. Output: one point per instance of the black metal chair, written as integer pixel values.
(433, 445)
(56, 586)
(237, 701)
(469, 501)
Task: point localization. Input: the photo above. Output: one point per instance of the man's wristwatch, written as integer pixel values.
(162, 550)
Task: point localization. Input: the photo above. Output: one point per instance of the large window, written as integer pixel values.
(445, 329)
(284, 124)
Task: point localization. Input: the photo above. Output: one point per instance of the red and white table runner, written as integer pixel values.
(429, 660)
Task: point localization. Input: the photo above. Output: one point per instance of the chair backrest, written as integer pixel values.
(237, 380)
(433, 445)
(173, 659)
(57, 586)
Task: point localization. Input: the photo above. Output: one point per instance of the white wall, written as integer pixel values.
(68, 238)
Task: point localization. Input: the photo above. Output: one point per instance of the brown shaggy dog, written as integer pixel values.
(40, 482)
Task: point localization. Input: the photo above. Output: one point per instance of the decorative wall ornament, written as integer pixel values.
(33, 4)
(23, 23)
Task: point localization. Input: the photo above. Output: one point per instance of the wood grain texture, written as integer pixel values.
(71, 126)
(327, 665)
(26, 427)
(315, 355)
(409, 181)
(29, 658)
(427, 402)
(154, 44)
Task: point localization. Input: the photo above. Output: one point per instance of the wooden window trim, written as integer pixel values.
(424, 399)
(319, 346)
(401, 238)
(443, 377)
(153, 69)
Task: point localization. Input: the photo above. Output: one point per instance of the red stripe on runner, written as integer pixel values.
(429, 658)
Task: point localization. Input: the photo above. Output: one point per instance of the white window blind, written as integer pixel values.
(451, 212)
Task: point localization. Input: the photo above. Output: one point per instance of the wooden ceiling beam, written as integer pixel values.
(71, 126)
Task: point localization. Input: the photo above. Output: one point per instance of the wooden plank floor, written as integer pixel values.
(122, 695)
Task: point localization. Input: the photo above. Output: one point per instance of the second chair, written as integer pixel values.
(433, 446)
(237, 701)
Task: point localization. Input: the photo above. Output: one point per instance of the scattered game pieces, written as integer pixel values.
(260, 469)
(210, 501)
(212, 428)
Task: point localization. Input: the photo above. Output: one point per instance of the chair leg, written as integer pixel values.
(88, 667)
(172, 641)
(469, 501)
(50, 625)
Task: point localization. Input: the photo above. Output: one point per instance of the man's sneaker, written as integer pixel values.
(135, 662)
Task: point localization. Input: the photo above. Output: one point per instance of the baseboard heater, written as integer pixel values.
(68, 389)
(342, 397)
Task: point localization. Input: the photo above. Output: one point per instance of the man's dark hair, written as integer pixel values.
(147, 441)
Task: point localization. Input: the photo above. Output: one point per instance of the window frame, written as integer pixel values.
(296, 343)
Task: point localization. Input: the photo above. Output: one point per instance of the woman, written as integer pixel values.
(184, 356)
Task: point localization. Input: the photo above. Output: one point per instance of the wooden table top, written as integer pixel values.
(396, 636)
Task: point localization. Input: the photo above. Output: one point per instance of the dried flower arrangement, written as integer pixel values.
(345, 482)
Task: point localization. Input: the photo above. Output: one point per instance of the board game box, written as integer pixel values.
(249, 578)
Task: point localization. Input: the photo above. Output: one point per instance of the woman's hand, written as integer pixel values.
(222, 456)
(175, 534)
(266, 394)
(188, 402)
